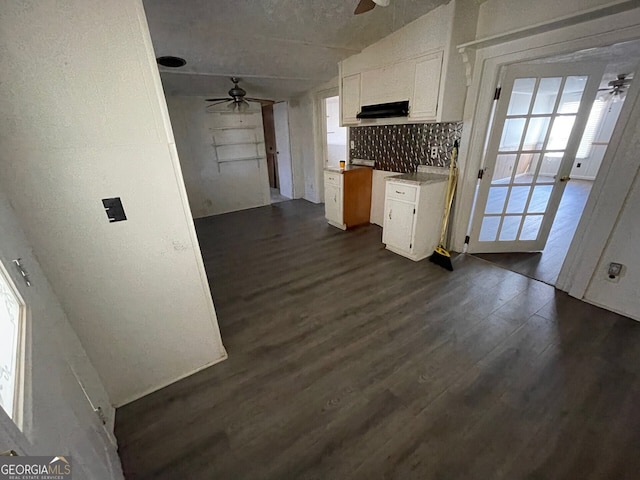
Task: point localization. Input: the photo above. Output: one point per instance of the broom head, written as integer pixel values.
(441, 257)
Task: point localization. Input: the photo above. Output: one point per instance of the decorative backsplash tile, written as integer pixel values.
(401, 148)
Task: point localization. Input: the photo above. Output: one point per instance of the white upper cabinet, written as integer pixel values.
(419, 63)
(426, 87)
(392, 83)
(350, 95)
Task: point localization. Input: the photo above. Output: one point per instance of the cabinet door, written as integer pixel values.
(426, 87)
(333, 203)
(391, 83)
(350, 99)
(398, 224)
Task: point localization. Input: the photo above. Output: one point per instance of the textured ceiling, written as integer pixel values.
(618, 58)
(280, 48)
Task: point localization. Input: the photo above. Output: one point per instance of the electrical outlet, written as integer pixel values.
(434, 152)
(353, 144)
(614, 271)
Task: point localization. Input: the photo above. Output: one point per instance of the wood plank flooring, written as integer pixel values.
(545, 266)
(347, 361)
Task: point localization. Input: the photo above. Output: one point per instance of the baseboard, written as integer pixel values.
(149, 391)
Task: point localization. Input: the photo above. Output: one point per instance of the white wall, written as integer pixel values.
(58, 419)
(82, 118)
(502, 16)
(302, 126)
(621, 295)
(213, 185)
(619, 170)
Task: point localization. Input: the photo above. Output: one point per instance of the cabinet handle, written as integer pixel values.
(399, 193)
(390, 214)
(335, 198)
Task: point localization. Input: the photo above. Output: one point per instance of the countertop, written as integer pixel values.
(418, 178)
(345, 169)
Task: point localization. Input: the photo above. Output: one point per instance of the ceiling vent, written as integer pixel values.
(171, 62)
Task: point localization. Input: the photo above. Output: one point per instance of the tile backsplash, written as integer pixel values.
(401, 148)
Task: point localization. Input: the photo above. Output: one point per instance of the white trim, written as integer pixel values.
(600, 32)
(18, 407)
(559, 22)
(320, 136)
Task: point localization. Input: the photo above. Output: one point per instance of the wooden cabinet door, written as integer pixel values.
(426, 87)
(333, 203)
(398, 224)
(350, 99)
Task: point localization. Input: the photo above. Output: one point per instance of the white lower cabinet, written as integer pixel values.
(398, 224)
(333, 205)
(333, 211)
(413, 215)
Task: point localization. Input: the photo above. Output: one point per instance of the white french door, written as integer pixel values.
(539, 120)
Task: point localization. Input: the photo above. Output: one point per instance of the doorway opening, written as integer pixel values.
(334, 136)
(272, 154)
(542, 162)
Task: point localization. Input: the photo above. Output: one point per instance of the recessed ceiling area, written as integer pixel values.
(279, 48)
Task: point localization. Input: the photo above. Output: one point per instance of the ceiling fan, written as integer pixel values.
(618, 87)
(237, 99)
(366, 5)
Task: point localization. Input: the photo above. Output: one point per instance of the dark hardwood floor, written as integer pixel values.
(347, 361)
(545, 266)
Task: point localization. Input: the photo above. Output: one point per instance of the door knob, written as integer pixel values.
(566, 178)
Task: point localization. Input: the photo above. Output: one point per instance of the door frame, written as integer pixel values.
(319, 116)
(485, 59)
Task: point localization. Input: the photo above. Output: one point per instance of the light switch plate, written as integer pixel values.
(434, 152)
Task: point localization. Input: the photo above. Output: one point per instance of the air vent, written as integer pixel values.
(171, 62)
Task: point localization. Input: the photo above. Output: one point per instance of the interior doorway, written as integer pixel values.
(524, 177)
(272, 155)
(334, 136)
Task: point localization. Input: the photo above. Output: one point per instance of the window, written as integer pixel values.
(11, 327)
(593, 124)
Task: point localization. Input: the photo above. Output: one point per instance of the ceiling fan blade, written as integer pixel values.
(263, 101)
(219, 102)
(364, 6)
(227, 99)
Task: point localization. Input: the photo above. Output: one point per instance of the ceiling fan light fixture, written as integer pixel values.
(618, 95)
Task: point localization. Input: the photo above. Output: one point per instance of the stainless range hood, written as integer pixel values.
(385, 110)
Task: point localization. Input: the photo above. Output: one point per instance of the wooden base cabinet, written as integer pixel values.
(412, 216)
(347, 196)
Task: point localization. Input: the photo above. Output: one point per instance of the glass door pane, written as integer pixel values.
(534, 137)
